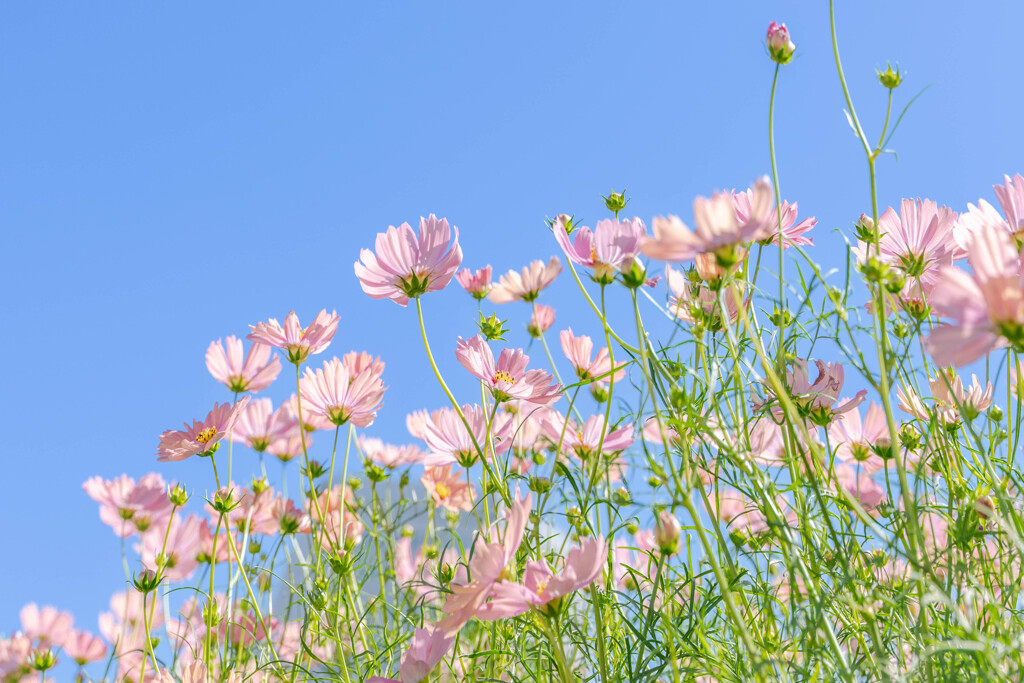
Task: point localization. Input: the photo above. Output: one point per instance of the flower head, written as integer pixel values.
(255, 373)
(449, 441)
(259, 425)
(407, 265)
(611, 247)
(296, 342)
(341, 395)
(792, 232)
(202, 437)
(541, 320)
(446, 489)
(919, 241)
(578, 350)
(719, 229)
(128, 506)
(862, 441)
(476, 283)
(780, 47)
(525, 285)
(508, 378)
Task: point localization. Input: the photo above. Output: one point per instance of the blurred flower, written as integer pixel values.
(388, 455)
(446, 489)
(84, 647)
(792, 232)
(178, 555)
(259, 425)
(541, 320)
(129, 507)
(780, 47)
(525, 286)
(406, 264)
(48, 626)
(476, 283)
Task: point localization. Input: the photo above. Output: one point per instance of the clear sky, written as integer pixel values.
(170, 174)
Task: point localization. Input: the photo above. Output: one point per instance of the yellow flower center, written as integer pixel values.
(442, 490)
(205, 435)
(504, 376)
(541, 587)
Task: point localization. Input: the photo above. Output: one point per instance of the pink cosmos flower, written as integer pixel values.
(719, 229)
(818, 398)
(289, 447)
(124, 626)
(259, 425)
(419, 573)
(425, 651)
(407, 265)
(180, 558)
(129, 507)
(201, 437)
(489, 562)
(508, 378)
(987, 307)
(951, 401)
(919, 240)
(541, 586)
(48, 625)
(297, 343)
(780, 47)
(446, 489)
(449, 441)
(541, 320)
(476, 283)
(578, 350)
(697, 303)
(254, 374)
(1011, 199)
(861, 487)
(526, 285)
(388, 455)
(330, 509)
(611, 247)
(862, 441)
(84, 647)
(583, 441)
(289, 518)
(337, 394)
(792, 232)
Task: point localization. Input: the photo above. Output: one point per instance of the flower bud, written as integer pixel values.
(632, 527)
(177, 495)
(43, 660)
(615, 201)
(667, 532)
(780, 47)
(540, 484)
(889, 78)
(316, 470)
(599, 391)
(491, 328)
(621, 496)
(865, 227)
(260, 485)
(375, 473)
(146, 581)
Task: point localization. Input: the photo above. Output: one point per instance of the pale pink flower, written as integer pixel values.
(583, 442)
(407, 265)
(388, 455)
(290, 447)
(508, 378)
(419, 573)
(359, 362)
(578, 350)
(818, 398)
(987, 307)
(206, 537)
(417, 420)
(129, 507)
(255, 512)
(449, 441)
(1011, 198)
(611, 247)
(719, 229)
(476, 283)
(425, 651)
(446, 489)
(699, 304)
(489, 562)
(861, 487)
(652, 432)
(337, 394)
(861, 441)
(297, 343)
(792, 232)
(330, 513)
(255, 373)
(540, 585)
(48, 625)
(259, 425)
(636, 571)
(525, 285)
(951, 401)
(180, 558)
(919, 240)
(123, 625)
(290, 519)
(311, 421)
(84, 647)
(541, 320)
(780, 47)
(14, 656)
(201, 437)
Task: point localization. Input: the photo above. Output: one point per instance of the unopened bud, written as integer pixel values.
(615, 201)
(865, 227)
(491, 328)
(667, 532)
(177, 495)
(889, 78)
(780, 47)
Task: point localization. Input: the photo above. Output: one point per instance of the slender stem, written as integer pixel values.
(781, 360)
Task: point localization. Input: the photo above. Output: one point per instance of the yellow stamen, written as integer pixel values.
(504, 376)
(541, 587)
(205, 435)
(442, 490)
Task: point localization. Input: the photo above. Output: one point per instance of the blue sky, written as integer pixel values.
(171, 174)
